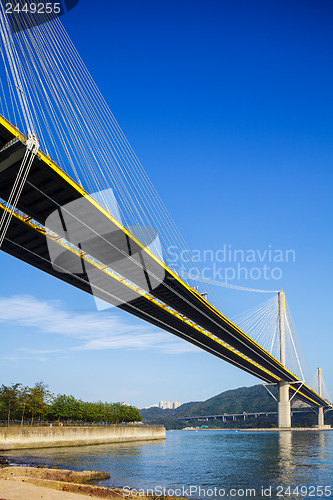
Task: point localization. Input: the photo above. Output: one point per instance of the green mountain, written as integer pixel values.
(245, 399)
(248, 399)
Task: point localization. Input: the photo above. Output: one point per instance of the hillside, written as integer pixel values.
(245, 399)
(249, 399)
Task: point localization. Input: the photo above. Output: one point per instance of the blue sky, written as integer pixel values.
(229, 107)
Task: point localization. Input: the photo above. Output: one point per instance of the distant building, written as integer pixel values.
(168, 405)
(165, 405)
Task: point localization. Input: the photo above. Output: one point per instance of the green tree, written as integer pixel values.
(9, 397)
(38, 399)
(17, 401)
(65, 407)
(129, 414)
(89, 412)
(23, 401)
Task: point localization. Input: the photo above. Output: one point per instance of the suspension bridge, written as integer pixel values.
(59, 145)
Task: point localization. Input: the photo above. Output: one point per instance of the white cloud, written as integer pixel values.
(92, 331)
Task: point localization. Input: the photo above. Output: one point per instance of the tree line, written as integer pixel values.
(18, 402)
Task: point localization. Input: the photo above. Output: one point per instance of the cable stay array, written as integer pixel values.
(48, 91)
(261, 323)
(193, 275)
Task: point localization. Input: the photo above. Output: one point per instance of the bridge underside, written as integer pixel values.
(106, 260)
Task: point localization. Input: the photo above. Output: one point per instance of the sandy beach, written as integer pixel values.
(33, 483)
(14, 489)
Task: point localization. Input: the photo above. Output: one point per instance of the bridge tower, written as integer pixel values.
(321, 408)
(284, 413)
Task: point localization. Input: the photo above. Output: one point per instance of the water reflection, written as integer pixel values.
(286, 467)
(304, 458)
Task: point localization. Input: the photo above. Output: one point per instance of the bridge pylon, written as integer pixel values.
(321, 422)
(284, 410)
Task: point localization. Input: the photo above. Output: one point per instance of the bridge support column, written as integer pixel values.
(321, 422)
(284, 413)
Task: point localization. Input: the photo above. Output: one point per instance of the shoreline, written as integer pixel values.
(41, 482)
(288, 429)
(33, 483)
(261, 429)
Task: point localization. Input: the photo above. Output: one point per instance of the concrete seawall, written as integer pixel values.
(48, 437)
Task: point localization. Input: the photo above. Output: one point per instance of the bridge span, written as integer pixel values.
(243, 415)
(117, 267)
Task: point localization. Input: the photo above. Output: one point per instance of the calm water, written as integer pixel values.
(226, 460)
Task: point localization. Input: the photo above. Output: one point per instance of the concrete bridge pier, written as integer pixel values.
(321, 422)
(284, 411)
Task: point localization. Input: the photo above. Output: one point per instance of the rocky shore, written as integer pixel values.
(23, 482)
(36, 483)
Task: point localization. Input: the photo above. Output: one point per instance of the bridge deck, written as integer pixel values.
(53, 209)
